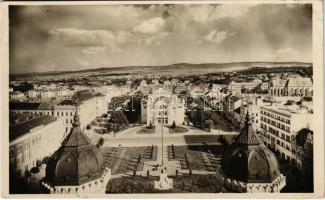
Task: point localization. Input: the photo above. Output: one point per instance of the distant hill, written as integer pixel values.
(179, 68)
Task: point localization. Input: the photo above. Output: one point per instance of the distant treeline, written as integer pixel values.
(112, 74)
(303, 71)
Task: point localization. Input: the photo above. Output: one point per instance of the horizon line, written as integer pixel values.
(219, 63)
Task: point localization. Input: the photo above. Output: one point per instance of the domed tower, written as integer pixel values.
(77, 166)
(249, 166)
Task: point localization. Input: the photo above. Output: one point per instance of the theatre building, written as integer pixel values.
(162, 106)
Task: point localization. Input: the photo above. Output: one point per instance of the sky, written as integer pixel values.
(61, 38)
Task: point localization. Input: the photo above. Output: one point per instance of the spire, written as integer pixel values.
(76, 137)
(247, 135)
(76, 120)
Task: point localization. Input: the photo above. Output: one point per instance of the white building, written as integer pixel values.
(16, 95)
(33, 139)
(162, 106)
(90, 106)
(279, 125)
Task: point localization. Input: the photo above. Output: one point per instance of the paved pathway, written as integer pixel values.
(119, 160)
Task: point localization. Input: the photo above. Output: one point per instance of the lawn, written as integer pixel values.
(146, 130)
(178, 129)
(125, 159)
(195, 156)
(182, 184)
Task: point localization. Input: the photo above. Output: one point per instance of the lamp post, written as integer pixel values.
(162, 145)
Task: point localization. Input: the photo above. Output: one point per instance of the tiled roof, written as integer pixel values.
(76, 137)
(23, 128)
(83, 95)
(300, 82)
(247, 135)
(23, 106)
(279, 83)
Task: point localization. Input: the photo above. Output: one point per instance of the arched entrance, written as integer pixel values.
(161, 107)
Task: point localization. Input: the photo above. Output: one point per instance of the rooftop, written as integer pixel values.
(22, 128)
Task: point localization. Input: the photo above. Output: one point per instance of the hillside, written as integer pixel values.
(179, 68)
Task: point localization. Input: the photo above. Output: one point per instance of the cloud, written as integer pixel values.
(81, 37)
(152, 39)
(93, 50)
(285, 54)
(150, 26)
(84, 63)
(230, 11)
(115, 49)
(216, 36)
(207, 13)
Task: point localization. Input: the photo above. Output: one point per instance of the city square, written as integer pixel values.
(169, 100)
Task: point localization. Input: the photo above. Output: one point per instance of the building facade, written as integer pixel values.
(279, 125)
(90, 106)
(291, 87)
(32, 140)
(162, 106)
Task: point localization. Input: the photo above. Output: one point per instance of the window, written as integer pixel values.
(287, 147)
(287, 138)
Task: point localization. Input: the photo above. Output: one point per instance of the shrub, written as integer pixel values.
(34, 170)
(100, 142)
(150, 125)
(173, 125)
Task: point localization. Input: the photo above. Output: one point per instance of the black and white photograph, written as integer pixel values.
(163, 98)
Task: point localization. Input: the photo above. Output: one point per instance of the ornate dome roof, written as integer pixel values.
(77, 161)
(248, 160)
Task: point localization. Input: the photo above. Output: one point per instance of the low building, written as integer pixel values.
(16, 95)
(198, 90)
(237, 87)
(31, 138)
(264, 86)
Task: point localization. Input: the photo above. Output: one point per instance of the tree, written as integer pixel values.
(173, 125)
(133, 109)
(100, 142)
(210, 124)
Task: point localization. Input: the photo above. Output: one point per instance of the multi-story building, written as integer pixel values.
(278, 125)
(31, 139)
(90, 106)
